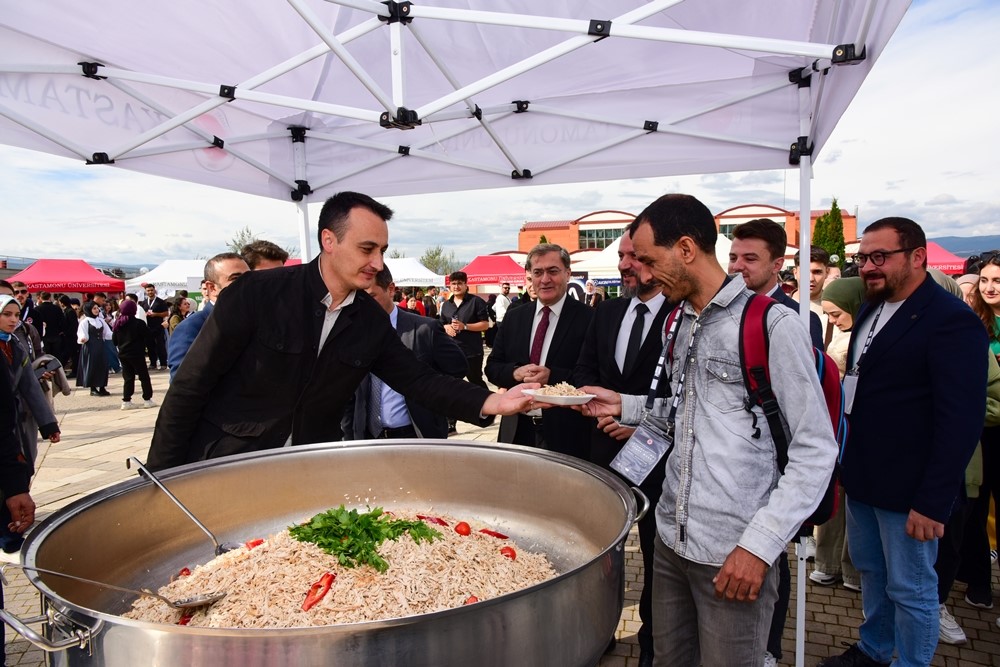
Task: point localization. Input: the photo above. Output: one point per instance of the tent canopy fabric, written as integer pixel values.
(493, 270)
(433, 96)
(943, 260)
(409, 272)
(66, 275)
(169, 276)
(605, 263)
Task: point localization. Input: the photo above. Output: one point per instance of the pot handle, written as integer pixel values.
(77, 637)
(643, 502)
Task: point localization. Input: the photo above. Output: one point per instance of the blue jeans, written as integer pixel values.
(692, 627)
(898, 586)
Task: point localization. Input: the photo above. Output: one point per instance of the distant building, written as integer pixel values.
(790, 220)
(594, 231)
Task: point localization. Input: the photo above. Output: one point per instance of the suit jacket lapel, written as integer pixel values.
(565, 322)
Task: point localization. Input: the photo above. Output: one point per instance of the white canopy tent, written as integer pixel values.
(409, 272)
(605, 263)
(168, 277)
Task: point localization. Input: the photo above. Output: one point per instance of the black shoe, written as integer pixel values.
(93, 392)
(852, 657)
(103, 392)
(646, 659)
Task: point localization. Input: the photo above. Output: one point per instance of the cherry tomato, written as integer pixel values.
(508, 552)
(254, 543)
(471, 599)
(185, 619)
(463, 528)
(185, 572)
(493, 533)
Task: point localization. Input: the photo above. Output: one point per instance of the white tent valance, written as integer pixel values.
(409, 272)
(168, 277)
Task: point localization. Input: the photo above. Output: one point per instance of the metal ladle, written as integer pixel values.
(219, 548)
(192, 602)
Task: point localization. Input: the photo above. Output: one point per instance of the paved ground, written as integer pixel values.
(98, 437)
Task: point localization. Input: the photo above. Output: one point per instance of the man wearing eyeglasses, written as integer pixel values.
(915, 390)
(23, 297)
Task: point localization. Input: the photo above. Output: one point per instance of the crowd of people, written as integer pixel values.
(916, 351)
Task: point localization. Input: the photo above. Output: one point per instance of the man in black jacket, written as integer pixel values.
(393, 415)
(615, 358)
(541, 343)
(285, 349)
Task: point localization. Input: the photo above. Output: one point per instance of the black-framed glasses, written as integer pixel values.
(877, 257)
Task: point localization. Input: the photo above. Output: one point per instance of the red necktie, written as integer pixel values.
(536, 345)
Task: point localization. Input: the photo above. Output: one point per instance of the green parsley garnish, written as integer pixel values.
(355, 538)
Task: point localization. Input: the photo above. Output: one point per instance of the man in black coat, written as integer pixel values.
(397, 416)
(156, 310)
(50, 323)
(612, 358)
(285, 349)
(541, 343)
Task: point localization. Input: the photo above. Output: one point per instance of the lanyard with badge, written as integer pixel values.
(851, 377)
(650, 444)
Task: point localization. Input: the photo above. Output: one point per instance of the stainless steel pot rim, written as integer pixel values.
(53, 521)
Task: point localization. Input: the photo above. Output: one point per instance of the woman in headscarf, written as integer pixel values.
(92, 371)
(27, 394)
(129, 334)
(842, 299)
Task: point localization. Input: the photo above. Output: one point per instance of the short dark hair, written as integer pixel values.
(101, 294)
(211, 272)
(544, 249)
(771, 233)
(675, 215)
(333, 215)
(384, 277)
(44, 296)
(253, 253)
(816, 254)
(459, 276)
(133, 296)
(64, 300)
(6, 285)
(148, 285)
(911, 235)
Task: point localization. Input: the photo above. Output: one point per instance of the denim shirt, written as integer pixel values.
(722, 486)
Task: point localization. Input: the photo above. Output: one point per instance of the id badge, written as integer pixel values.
(850, 386)
(643, 452)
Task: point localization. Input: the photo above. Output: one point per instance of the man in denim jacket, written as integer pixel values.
(726, 513)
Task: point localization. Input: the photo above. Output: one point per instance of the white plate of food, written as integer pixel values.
(560, 394)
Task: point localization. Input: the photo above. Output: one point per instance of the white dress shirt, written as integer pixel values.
(625, 330)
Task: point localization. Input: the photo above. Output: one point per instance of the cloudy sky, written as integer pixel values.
(920, 140)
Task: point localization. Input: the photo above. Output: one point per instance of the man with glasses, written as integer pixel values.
(915, 391)
(23, 297)
(220, 272)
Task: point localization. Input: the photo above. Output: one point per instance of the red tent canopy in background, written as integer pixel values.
(493, 270)
(66, 275)
(942, 260)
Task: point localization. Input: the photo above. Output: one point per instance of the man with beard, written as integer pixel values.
(726, 512)
(915, 390)
(619, 353)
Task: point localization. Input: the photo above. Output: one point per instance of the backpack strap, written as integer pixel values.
(754, 364)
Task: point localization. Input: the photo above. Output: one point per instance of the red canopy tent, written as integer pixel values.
(67, 275)
(942, 260)
(493, 270)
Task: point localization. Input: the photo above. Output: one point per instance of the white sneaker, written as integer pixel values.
(810, 544)
(128, 405)
(950, 631)
(148, 404)
(823, 579)
(851, 586)
(770, 660)
(14, 558)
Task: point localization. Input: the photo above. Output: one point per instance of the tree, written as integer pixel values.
(395, 253)
(829, 233)
(542, 239)
(440, 262)
(245, 236)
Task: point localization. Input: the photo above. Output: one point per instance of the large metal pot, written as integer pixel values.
(132, 535)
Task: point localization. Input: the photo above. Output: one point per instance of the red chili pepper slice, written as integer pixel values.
(508, 552)
(471, 599)
(432, 519)
(185, 572)
(185, 619)
(493, 533)
(250, 544)
(463, 528)
(318, 590)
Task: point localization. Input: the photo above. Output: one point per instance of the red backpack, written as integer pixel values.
(754, 345)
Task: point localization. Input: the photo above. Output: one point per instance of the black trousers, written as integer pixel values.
(132, 367)
(156, 345)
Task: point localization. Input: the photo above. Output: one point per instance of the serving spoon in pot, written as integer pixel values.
(193, 602)
(219, 548)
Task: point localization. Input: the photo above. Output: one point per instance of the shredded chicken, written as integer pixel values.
(265, 586)
(561, 389)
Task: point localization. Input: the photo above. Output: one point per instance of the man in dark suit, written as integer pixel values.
(758, 252)
(285, 349)
(156, 311)
(915, 390)
(541, 343)
(611, 359)
(220, 272)
(396, 416)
